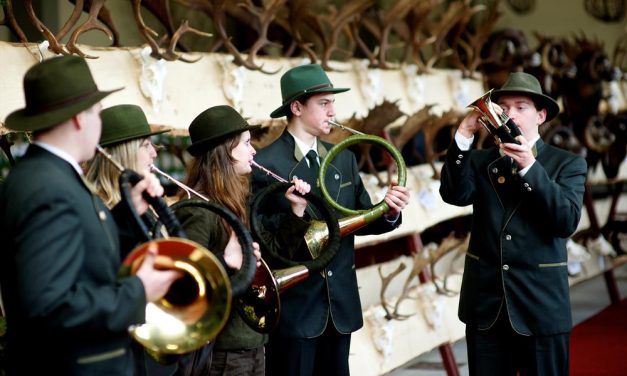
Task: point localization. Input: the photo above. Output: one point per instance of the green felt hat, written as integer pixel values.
(213, 126)
(520, 83)
(301, 80)
(123, 123)
(55, 90)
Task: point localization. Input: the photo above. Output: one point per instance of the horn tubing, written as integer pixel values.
(241, 280)
(381, 208)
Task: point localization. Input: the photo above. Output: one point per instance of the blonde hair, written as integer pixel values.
(104, 175)
(213, 175)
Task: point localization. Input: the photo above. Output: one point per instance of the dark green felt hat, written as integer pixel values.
(213, 126)
(55, 90)
(301, 80)
(521, 83)
(124, 122)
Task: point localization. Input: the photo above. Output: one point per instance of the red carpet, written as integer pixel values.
(598, 346)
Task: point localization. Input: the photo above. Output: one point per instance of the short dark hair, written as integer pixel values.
(302, 99)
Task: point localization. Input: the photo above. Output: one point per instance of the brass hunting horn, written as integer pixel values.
(500, 126)
(197, 306)
(355, 219)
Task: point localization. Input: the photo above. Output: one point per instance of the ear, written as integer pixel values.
(296, 107)
(541, 116)
(77, 121)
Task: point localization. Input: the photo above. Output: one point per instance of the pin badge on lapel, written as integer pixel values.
(501, 179)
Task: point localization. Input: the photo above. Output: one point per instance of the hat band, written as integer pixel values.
(46, 107)
(311, 88)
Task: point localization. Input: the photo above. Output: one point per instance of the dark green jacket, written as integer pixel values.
(517, 254)
(67, 312)
(203, 227)
(307, 307)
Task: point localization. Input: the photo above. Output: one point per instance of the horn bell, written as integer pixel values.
(196, 307)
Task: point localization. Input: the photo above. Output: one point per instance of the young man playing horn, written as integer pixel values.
(526, 201)
(67, 311)
(319, 314)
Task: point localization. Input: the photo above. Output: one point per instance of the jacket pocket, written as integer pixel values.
(473, 256)
(553, 265)
(95, 358)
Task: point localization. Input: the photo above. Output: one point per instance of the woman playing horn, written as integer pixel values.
(219, 171)
(126, 136)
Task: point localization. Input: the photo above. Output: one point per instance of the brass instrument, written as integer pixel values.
(500, 126)
(196, 307)
(259, 303)
(356, 219)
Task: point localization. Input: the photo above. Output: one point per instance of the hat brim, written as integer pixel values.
(283, 109)
(198, 148)
(21, 120)
(134, 137)
(548, 103)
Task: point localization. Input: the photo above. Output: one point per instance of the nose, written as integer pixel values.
(153, 151)
(331, 111)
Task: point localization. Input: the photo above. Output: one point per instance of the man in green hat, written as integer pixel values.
(319, 314)
(526, 201)
(67, 312)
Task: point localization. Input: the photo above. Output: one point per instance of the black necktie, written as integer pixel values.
(314, 167)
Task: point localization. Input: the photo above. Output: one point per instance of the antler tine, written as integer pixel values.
(170, 53)
(90, 24)
(10, 22)
(217, 15)
(265, 17)
(54, 44)
(72, 20)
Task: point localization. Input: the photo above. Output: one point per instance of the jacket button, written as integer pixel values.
(506, 267)
(458, 162)
(526, 184)
(102, 215)
(508, 237)
(329, 273)
(495, 170)
(528, 189)
(460, 156)
(336, 176)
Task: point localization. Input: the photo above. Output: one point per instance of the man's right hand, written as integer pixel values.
(470, 124)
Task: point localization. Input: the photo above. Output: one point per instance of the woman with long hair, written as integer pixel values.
(220, 169)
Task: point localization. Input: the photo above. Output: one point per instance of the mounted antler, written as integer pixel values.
(247, 14)
(148, 33)
(310, 26)
(411, 32)
(381, 24)
(90, 24)
(10, 22)
(467, 45)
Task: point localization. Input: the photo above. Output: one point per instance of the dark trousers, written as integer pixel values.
(501, 351)
(238, 363)
(326, 355)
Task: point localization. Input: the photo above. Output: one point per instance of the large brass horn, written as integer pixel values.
(196, 307)
(500, 126)
(355, 219)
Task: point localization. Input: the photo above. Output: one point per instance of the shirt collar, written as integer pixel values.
(61, 154)
(303, 147)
